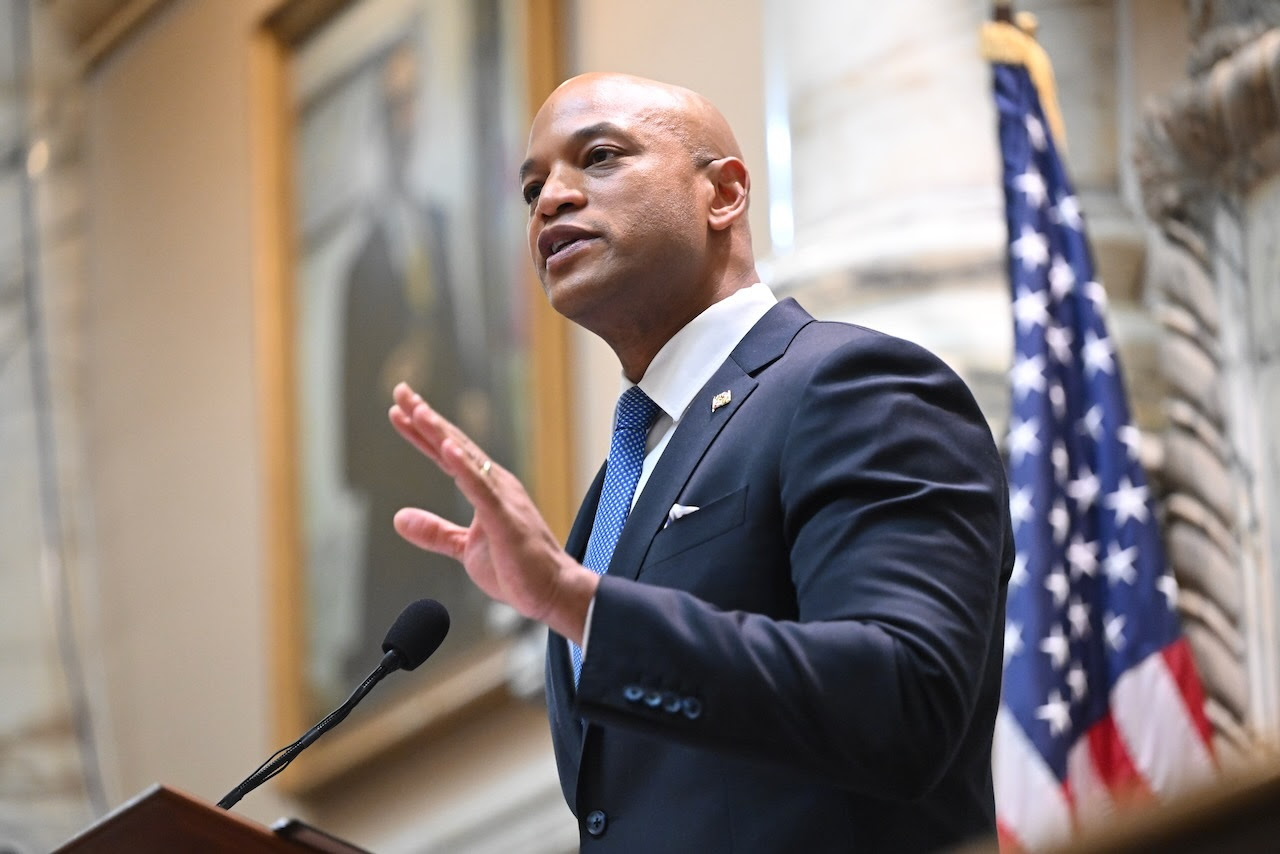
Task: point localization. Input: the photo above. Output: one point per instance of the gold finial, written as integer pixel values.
(1010, 39)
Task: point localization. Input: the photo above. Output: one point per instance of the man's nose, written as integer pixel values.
(561, 190)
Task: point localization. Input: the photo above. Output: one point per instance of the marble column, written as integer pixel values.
(895, 217)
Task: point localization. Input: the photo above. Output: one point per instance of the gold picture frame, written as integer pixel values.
(477, 679)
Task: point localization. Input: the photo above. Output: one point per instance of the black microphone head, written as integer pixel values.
(417, 632)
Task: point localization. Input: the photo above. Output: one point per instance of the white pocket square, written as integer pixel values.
(679, 511)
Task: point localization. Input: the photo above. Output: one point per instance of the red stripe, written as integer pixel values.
(1177, 657)
(1009, 843)
(1114, 765)
(1069, 794)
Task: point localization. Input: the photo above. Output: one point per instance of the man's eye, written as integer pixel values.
(600, 155)
(531, 193)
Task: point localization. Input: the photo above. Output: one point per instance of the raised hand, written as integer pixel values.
(508, 550)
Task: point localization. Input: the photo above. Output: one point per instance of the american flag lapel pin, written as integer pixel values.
(720, 400)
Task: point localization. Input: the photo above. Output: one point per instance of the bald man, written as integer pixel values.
(794, 642)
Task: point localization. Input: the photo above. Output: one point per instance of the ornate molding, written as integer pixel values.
(1198, 155)
(1219, 132)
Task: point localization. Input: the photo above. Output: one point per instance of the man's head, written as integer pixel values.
(398, 80)
(637, 208)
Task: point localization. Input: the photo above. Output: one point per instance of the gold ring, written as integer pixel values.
(484, 468)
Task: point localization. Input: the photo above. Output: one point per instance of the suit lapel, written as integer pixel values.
(703, 421)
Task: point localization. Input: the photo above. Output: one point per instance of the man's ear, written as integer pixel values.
(731, 184)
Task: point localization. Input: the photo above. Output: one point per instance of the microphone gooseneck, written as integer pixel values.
(412, 638)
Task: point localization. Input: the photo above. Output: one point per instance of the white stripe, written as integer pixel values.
(1029, 798)
(1154, 725)
(1089, 791)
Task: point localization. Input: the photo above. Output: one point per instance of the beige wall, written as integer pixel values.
(176, 467)
(174, 455)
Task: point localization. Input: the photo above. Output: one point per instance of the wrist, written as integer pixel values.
(575, 590)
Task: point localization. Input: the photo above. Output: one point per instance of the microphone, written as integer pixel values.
(412, 638)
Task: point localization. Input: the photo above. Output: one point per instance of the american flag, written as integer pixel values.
(1101, 704)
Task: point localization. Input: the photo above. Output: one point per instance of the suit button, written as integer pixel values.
(633, 693)
(692, 708)
(596, 821)
(653, 699)
(670, 703)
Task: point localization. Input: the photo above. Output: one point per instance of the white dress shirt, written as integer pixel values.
(683, 366)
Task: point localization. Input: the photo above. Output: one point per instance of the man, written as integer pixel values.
(797, 644)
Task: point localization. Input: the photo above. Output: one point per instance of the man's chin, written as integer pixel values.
(576, 297)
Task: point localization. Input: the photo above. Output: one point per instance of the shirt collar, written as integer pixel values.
(687, 361)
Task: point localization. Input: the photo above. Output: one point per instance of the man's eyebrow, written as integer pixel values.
(580, 135)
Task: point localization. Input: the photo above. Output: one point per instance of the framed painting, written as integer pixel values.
(389, 132)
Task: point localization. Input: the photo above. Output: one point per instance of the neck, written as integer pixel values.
(637, 344)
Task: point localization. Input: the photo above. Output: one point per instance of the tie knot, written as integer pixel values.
(636, 411)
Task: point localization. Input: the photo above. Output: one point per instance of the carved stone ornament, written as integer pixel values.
(1206, 155)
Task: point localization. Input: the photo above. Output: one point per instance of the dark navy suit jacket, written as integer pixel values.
(811, 661)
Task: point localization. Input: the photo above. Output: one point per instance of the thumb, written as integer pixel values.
(429, 531)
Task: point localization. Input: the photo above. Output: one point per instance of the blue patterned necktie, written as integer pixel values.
(636, 414)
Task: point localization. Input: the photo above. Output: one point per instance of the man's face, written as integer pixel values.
(617, 207)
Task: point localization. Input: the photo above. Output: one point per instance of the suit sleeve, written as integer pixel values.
(895, 515)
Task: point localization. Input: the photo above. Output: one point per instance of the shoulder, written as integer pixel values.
(822, 348)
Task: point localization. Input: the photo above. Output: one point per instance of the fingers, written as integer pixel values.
(451, 449)
(429, 531)
(475, 475)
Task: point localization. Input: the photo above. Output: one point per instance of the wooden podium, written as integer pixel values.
(162, 821)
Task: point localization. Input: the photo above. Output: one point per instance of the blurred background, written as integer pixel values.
(199, 198)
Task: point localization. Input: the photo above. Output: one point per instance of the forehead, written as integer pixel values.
(608, 106)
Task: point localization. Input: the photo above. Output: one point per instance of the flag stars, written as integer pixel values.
(1028, 376)
(1114, 625)
(1091, 423)
(1061, 461)
(1098, 354)
(1168, 586)
(1058, 398)
(1128, 502)
(1078, 614)
(1060, 521)
(1024, 439)
(1061, 278)
(1084, 489)
(1096, 294)
(1031, 248)
(1012, 641)
(1018, 576)
(1118, 564)
(1131, 438)
(1059, 340)
(1020, 508)
(1031, 309)
(1083, 557)
(1057, 647)
(1035, 132)
(1067, 212)
(1078, 682)
(1031, 185)
(1058, 586)
(1056, 713)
